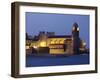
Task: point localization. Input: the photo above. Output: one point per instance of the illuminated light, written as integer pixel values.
(35, 47)
(52, 42)
(43, 44)
(27, 47)
(84, 43)
(57, 46)
(78, 29)
(56, 41)
(82, 49)
(61, 41)
(73, 28)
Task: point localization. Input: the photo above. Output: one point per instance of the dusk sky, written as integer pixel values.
(61, 24)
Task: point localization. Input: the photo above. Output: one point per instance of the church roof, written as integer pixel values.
(60, 36)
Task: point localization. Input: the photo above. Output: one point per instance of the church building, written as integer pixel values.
(50, 43)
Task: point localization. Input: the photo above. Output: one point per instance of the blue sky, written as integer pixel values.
(61, 24)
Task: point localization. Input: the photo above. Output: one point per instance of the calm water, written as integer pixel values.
(33, 61)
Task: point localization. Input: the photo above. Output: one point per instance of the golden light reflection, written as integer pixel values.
(35, 47)
(43, 44)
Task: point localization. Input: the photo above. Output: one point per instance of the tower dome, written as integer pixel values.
(75, 27)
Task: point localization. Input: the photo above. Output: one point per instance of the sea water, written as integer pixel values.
(33, 61)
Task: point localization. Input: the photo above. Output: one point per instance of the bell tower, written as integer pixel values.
(75, 38)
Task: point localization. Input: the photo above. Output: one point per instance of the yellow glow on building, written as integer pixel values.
(57, 41)
(27, 47)
(61, 42)
(52, 42)
(35, 47)
(43, 44)
(57, 51)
